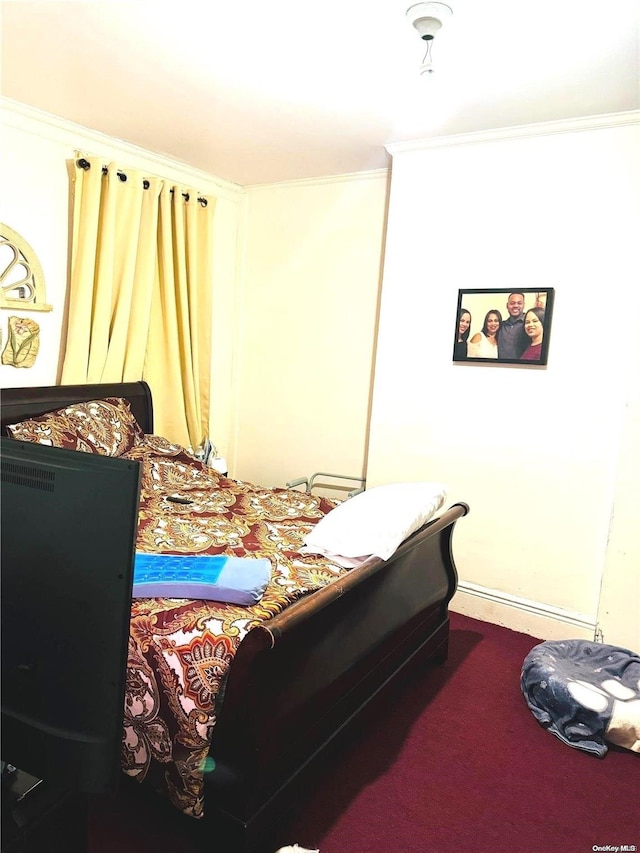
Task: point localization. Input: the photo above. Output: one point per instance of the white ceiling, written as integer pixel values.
(256, 91)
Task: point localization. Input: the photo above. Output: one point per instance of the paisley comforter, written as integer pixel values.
(180, 650)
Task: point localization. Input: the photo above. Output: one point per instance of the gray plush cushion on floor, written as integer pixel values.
(585, 693)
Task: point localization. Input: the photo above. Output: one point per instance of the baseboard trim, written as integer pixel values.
(520, 614)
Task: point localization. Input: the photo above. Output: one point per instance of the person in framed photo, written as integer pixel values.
(534, 330)
(541, 300)
(512, 340)
(484, 344)
(462, 335)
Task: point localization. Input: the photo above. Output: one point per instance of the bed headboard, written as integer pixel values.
(18, 404)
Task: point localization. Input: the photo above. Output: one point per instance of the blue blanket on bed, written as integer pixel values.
(572, 688)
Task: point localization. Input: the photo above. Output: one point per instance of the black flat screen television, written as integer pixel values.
(69, 522)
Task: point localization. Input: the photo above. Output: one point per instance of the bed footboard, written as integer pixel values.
(298, 679)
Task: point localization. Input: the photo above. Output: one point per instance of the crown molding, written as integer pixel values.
(367, 175)
(524, 131)
(32, 120)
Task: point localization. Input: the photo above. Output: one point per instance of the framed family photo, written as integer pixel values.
(503, 326)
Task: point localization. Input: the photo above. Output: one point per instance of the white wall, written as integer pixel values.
(35, 202)
(533, 451)
(619, 608)
(308, 317)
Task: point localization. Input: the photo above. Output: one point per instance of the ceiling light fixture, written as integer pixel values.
(427, 18)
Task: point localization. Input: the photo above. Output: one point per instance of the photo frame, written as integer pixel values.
(503, 326)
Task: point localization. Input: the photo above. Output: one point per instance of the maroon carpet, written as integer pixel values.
(451, 761)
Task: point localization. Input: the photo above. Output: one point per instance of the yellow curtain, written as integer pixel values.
(140, 292)
(178, 360)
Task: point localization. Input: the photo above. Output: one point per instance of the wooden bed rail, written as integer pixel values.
(300, 610)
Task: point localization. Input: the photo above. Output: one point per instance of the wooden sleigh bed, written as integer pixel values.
(300, 674)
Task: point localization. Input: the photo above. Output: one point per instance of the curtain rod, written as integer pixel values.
(85, 164)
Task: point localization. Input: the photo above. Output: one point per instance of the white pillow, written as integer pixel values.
(376, 521)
